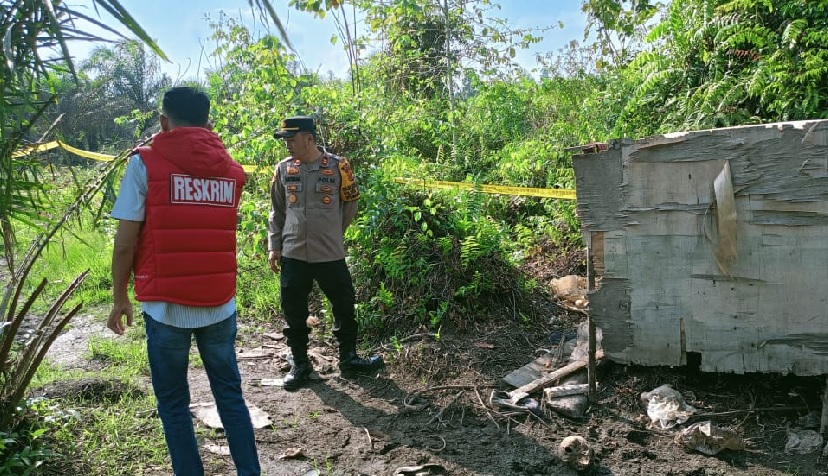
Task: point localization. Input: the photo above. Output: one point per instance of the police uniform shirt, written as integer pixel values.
(311, 207)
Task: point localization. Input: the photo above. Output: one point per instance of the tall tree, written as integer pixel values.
(83, 115)
(255, 86)
(430, 42)
(130, 79)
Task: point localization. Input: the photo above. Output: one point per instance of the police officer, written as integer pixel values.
(313, 201)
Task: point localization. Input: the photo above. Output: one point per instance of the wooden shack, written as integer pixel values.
(711, 247)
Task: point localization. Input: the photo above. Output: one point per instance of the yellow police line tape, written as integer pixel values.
(560, 193)
(98, 156)
(34, 148)
(54, 144)
(563, 194)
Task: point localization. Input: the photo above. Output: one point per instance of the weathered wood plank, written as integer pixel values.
(531, 371)
(650, 208)
(603, 170)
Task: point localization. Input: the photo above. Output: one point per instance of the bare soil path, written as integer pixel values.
(427, 412)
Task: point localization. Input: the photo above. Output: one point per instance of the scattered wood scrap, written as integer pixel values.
(548, 379)
(565, 390)
(570, 406)
(534, 369)
(427, 468)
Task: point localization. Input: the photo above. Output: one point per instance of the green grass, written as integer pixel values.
(68, 255)
(110, 438)
(107, 421)
(112, 428)
(257, 292)
(49, 372)
(124, 357)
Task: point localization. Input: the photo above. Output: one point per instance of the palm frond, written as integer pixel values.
(117, 10)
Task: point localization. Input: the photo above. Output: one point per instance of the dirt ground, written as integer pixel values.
(428, 412)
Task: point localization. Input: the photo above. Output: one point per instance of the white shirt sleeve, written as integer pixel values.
(132, 197)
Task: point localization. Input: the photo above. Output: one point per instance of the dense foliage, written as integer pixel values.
(714, 63)
(439, 97)
(35, 63)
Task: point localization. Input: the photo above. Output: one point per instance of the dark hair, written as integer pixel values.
(186, 106)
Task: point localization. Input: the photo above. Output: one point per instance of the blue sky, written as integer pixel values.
(181, 29)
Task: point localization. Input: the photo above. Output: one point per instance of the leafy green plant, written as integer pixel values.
(428, 260)
(714, 63)
(23, 450)
(257, 291)
(19, 360)
(252, 229)
(619, 25)
(325, 465)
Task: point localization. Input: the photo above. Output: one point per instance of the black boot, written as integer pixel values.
(300, 370)
(351, 363)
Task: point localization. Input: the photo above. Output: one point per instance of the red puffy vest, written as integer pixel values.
(186, 251)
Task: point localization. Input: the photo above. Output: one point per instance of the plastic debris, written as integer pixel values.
(803, 442)
(666, 407)
(208, 414)
(707, 438)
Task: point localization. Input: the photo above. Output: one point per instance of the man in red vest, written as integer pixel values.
(313, 201)
(176, 236)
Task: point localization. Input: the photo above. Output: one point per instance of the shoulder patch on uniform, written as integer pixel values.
(349, 191)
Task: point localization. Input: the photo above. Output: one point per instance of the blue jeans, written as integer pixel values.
(168, 349)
